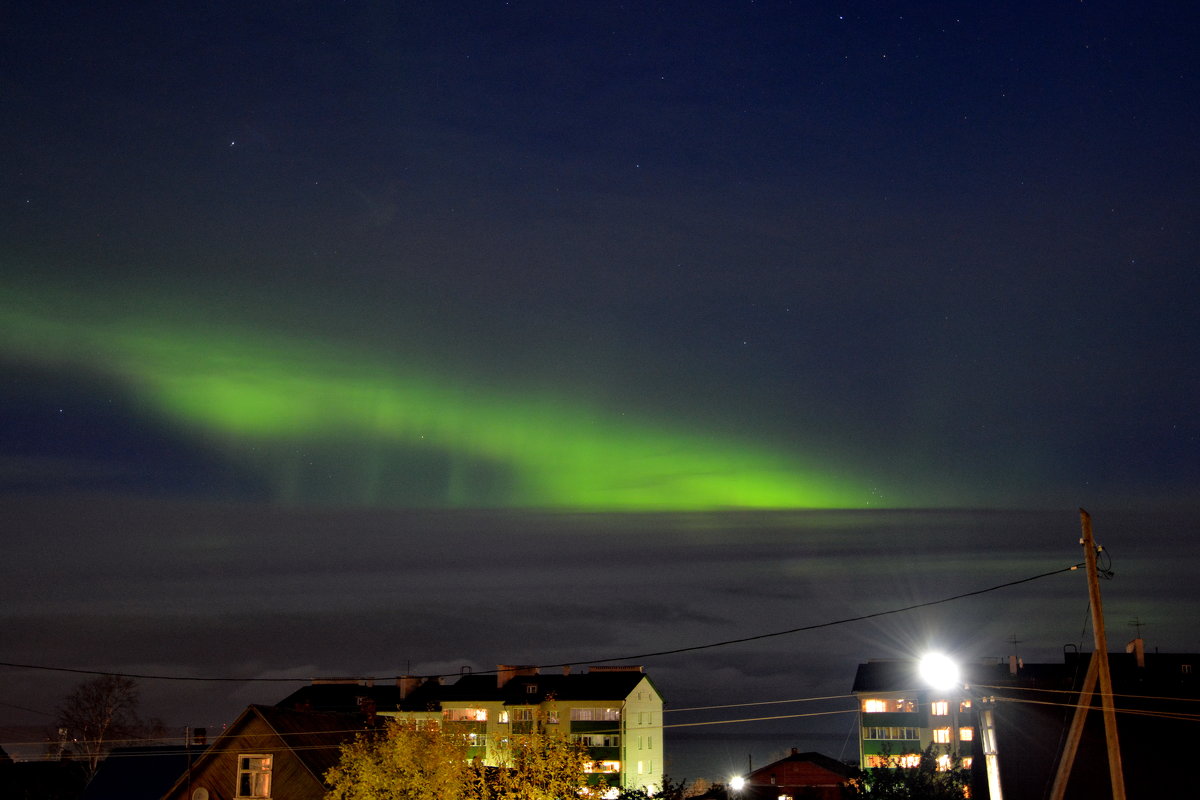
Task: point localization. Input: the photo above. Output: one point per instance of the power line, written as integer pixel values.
(635, 657)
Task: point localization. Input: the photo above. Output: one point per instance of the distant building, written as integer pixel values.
(616, 712)
(798, 776)
(1010, 723)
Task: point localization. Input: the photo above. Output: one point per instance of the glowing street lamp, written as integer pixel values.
(737, 782)
(939, 671)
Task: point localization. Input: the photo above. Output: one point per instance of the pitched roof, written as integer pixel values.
(314, 737)
(819, 759)
(593, 685)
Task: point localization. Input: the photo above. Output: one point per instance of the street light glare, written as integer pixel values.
(737, 782)
(939, 671)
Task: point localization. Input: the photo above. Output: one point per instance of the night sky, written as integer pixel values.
(364, 338)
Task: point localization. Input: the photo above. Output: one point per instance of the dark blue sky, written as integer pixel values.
(934, 255)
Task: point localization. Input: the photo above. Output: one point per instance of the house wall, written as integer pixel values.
(642, 739)
(217, 771)
(639, 726)
(921, 718)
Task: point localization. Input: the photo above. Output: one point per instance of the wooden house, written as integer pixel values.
(269, 753)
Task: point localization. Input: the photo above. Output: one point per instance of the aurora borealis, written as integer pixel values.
(255, 401)
(351, 338)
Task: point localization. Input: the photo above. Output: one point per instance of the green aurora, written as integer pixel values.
(412, 435)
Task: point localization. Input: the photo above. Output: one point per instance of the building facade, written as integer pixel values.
(614, 711)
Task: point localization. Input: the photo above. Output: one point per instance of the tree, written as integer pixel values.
(407, 761)
(670, 790)
(936, 777)
(100, 712)
(541, 766)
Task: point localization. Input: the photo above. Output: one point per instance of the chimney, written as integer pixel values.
(506, 672)
(406, 684)
(199, 737)
(366, 707)
(1014, 664)
(1138, 648)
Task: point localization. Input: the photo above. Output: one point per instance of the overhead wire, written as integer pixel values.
(634, 657)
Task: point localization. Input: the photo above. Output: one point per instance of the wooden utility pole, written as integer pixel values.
(1097, 672)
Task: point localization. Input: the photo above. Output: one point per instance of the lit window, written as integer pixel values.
(503, 717)
(876, 705)
(552, 716)
(941, 735)
(465, 714)
(939, 708)
(965, 705)
(890, 732)
(966, 762)
(887, 762)
(254, 776)
(966, 734)
(943, 763)
(603, 766)
(595, 714)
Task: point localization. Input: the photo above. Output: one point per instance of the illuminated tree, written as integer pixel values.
(541, 766)
(406, 761)
(936, 777)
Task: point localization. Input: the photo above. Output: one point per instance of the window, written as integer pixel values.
(943, 763)
(595, 714)
(465, 715)
(965, 705)
(598, 739)
(878, 705)
(966, 734)
(939, 708)
(522, 715)
(254, 776)
(531, 688)
(941, 735)
(910, 760)
(552, 716)
(966, 762)
(890, 732)
(603, 766)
